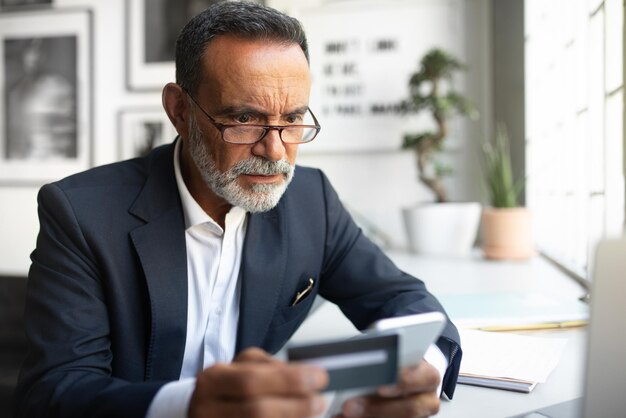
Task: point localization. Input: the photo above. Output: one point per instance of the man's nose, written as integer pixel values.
(271, 147)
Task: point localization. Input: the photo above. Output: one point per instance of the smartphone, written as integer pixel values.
(416, 333)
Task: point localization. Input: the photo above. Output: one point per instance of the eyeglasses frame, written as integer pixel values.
(267, 128)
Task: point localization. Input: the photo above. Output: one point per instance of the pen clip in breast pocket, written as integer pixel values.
(303, 293)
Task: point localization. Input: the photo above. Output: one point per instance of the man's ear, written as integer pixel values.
(176, 106)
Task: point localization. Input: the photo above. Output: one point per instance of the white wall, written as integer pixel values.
(375, 184)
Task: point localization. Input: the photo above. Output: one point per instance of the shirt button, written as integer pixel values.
(218, 311)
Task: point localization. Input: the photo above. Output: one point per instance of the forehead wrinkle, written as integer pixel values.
(268, 97)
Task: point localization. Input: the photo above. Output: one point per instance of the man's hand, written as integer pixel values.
(257, 385)
(415, 395)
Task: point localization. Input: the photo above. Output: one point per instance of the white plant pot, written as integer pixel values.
(447, 229)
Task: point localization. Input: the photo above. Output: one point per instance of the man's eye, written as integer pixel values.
(245, 118)
(294, 119)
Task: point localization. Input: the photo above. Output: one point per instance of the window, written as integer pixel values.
(574, 125)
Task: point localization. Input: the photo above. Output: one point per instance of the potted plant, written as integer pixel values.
(440, 227)
(506, 226)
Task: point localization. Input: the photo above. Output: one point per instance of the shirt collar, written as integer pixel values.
(194, 214)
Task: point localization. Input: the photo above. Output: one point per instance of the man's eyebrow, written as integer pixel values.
(238, 110)
(299, 110)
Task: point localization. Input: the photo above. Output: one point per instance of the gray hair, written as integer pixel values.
(242, 19)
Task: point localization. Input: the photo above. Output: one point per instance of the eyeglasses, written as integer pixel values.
(251, 134)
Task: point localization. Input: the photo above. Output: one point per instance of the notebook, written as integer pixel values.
(508, 361)
(605, 378)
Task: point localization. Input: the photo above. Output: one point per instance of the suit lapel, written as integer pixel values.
(160, 245)
(262, 273)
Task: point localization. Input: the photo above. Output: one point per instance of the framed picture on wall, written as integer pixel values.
(45, 88)
(141, 130)
(20, 4)
(153, 31)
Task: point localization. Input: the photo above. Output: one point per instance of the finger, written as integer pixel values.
(270, 407)
(255, 355)
(413, 379)
(250, 379)
(419, 405)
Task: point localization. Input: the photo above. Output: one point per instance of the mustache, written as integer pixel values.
(260, 166)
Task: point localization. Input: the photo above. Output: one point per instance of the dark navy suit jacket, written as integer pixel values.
(107, 292)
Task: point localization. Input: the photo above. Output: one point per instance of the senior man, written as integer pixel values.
(160, 286)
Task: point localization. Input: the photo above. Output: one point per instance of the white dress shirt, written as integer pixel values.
(213, 261)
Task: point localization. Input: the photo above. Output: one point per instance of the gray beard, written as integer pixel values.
(261, 197)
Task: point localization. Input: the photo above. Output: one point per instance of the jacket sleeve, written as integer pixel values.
(67, 372)
(366, 285)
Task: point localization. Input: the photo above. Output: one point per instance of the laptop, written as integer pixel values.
(605, 377)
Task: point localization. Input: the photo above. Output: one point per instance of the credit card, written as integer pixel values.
(363, 361)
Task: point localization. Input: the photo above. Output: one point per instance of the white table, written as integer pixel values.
(474, 274)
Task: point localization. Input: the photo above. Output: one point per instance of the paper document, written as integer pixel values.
(502, 358)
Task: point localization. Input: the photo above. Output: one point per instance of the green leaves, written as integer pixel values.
(437, 64)
(414, 141)
(446, 105)
(443, 169)
(461, 105)
(503, 189)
